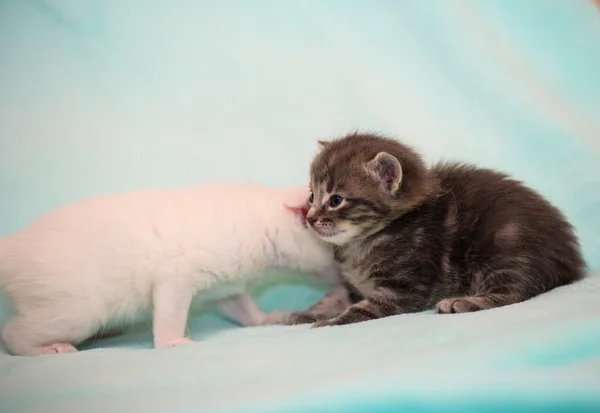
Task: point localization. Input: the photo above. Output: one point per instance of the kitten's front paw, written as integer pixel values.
(301, 317)
(328, 323)
(458, 305)
(174, 343)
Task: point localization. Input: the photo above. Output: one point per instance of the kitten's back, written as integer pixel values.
(136, 233)
(498, 213)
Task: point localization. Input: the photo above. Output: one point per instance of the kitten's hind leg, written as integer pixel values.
(32, 336)
(170, 314)
(59, 348)
(242, 309)
(506, 281)
(479, 302)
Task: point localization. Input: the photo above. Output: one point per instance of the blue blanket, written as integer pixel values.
(101, 96)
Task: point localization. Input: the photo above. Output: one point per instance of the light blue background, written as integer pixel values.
(104, 96)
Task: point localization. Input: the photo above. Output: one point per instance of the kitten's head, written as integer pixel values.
(360, 183)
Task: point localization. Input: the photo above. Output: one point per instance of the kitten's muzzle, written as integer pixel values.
(321, 226)
(315, 220)
(312, 216)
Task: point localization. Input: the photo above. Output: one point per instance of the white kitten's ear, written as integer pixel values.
(387, 169)
(296, 197)
(322, 145)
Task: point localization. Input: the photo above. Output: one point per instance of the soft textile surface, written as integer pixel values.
(105, 96)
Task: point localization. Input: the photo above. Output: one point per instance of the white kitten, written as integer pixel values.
(103, 262)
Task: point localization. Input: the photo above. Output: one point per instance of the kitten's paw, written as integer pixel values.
(59, 348)
(327, 323)
(458, 305)
(301, 317)
(275, 317)
(175, 343)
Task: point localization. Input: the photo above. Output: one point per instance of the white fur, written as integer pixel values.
(345, 232)
(104, 261)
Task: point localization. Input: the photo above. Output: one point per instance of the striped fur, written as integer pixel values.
(410, 238)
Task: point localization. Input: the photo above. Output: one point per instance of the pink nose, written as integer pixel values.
(311, 218)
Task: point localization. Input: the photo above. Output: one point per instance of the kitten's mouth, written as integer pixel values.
(325, 232)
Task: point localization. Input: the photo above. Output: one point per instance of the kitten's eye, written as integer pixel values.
(311, 199)
(335, 201)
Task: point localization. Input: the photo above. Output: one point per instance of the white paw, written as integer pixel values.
(175, 343)
(59, 348)
(274, 317)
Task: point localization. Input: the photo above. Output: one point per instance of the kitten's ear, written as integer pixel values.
(387, 169)
(322, 145)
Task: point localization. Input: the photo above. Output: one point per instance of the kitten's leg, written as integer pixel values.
(383, 302)
(171, 308)
(506, 281)
(37, 335)
(469, 304)
(336, 301)
(242, 309)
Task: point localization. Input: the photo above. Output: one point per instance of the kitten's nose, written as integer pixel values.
(311, 219)
(312, 216)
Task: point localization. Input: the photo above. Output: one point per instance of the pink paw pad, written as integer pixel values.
(59, 348)
(458, 305)
(176, 343)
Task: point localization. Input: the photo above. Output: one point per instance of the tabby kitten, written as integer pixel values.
(408, 238)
